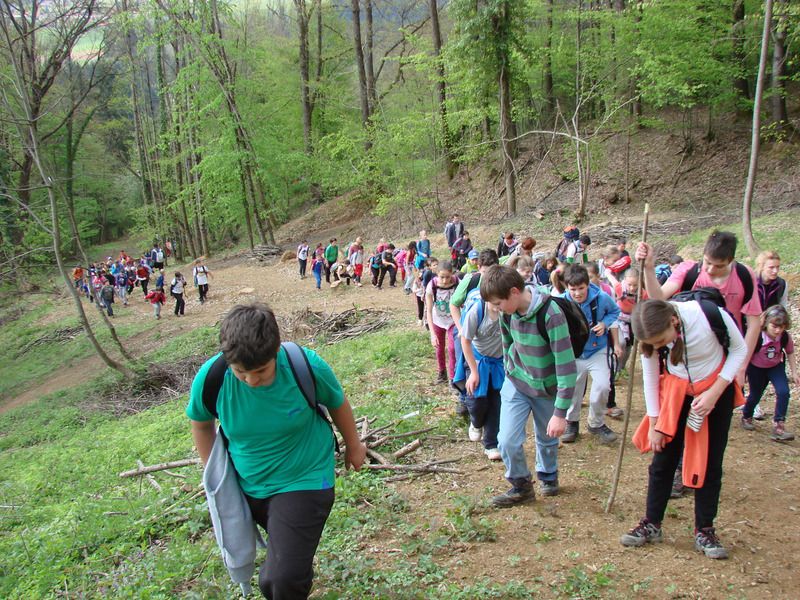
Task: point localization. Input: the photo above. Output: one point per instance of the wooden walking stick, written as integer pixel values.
(631, 375)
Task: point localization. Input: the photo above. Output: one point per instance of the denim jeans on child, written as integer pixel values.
(759, 378)
(514, 410)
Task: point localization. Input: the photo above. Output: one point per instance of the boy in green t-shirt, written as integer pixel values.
(281, 448)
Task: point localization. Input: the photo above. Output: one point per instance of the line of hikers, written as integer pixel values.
(106, 281)
(519, 334)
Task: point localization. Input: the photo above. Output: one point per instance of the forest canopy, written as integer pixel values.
(211, 123)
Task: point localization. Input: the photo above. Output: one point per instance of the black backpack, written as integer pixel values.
(107, 293)
(711, 302)
(576, 321)
(301, 369)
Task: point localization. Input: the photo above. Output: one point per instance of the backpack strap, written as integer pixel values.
(540, 322)
(213, 383)
(691, 278)
(747, 281)
(474, 281)
(714, 318)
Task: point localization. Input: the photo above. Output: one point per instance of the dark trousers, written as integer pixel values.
(375, 274)
(109, 307)
(203, 288)
(144, 283)
(759, 378)
(302, 262)
(293, 522)
(392, 276)
(485, 412)
(420, 308)
(180, 303)
(328, 274)
(662, 469)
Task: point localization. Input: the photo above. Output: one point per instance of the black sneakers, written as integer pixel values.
(604, 434)
(514, 496)
(644, 533)
(707, 542)
(571, 432)
(549, 488)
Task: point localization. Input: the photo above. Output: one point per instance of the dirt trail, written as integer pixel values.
(278, 285)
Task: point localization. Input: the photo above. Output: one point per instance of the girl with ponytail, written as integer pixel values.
(690, 393)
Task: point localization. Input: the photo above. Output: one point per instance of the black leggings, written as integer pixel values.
(420, 308)
(293, 521)
(180, 303)
(662, 469)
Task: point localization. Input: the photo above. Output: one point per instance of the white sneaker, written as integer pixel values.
(475, 433)
(758, 414)
(493, 454)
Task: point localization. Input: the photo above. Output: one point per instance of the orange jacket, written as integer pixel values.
(672, 392)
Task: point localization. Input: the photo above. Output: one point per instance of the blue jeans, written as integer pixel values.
(759, 379)
(318, 277)
(514, 410)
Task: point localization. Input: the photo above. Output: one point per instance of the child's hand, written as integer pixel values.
(556, 426)
(704, 403)
(657, 439)
(434, 340)
(355, 456)
(644, 252)
(599, 329)
(473, 381)
(619, 351)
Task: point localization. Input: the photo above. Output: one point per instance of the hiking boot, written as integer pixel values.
(571, 432)
(442, 378)
(644, 533)
(707, 542)
(604, 434)
(475, 433)
(514, 496)
(747, 424)
(493, 454)
(549, 488)
(759, 414)
(779, 433)
(615, 412)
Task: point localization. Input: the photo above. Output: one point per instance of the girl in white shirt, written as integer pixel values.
(698, 377)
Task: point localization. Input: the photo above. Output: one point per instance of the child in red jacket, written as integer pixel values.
(157, 299)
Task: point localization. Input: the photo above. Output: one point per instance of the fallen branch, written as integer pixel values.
(149, 477)
(414, 468)
(376, 457)
(396, 436)
(160, 467)
(408, 449)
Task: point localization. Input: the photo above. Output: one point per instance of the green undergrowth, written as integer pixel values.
(73, 527)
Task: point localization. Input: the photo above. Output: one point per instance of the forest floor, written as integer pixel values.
(565, 546)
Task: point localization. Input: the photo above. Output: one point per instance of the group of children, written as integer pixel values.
(508, 336)
(117, 278)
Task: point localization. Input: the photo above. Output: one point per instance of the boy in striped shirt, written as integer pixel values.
(540, 379)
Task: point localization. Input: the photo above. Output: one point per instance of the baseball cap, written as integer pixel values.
(473, 254)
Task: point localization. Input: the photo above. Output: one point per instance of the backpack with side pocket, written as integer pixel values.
(473, 298)
(303, 375)
(576, 322)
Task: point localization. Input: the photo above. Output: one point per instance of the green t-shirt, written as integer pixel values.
(460, 295)
(277, 442)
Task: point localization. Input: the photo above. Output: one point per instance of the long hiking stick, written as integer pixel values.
(631, 375)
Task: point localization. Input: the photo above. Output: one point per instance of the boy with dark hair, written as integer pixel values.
(388, 265)
(281, 449)
(540, 380)
(601, 313)
(331, 256)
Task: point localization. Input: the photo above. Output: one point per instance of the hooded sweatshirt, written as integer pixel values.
(536, 369)
(607, 312)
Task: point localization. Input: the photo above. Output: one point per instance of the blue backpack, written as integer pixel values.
(473, 298)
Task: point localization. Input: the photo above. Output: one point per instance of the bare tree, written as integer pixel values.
(749, 240)
(32, 72)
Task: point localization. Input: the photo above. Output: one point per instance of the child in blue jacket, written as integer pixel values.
(601, 312)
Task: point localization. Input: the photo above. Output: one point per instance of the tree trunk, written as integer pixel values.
(369, 61)
(780, 115)
(548, 61)
(246, 205)
(305, 92)
(740, 81)
(750, 241)
(362, 75)
(507, 144)
(441, 86)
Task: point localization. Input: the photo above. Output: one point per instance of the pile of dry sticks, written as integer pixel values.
(62, 335)
(333, 327)
(265, 252)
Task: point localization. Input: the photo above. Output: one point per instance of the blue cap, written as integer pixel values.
(473, 254)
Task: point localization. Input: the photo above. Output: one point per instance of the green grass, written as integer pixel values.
(771, 233)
